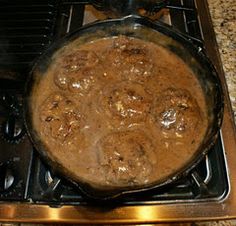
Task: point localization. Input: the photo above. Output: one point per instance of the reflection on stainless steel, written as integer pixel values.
(224, 208)
(69, 19)
(209, 173)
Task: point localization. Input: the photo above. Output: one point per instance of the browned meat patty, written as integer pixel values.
(176, 112)
(132, 61)
(126, 157)
(76, 71)
(126, 102)
(59, 117)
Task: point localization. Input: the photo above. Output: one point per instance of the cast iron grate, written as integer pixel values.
(26, 30)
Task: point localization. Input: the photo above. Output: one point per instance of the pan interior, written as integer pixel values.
(121, 108)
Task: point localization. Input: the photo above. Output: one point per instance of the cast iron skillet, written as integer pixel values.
(145, 29)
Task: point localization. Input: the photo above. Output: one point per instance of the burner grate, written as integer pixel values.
(26, 29)
(185, 19)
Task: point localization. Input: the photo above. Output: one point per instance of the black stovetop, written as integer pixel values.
(26, 31)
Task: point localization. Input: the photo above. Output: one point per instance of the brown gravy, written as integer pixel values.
(119, 112)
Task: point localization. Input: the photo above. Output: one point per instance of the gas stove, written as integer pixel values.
(29, 190)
